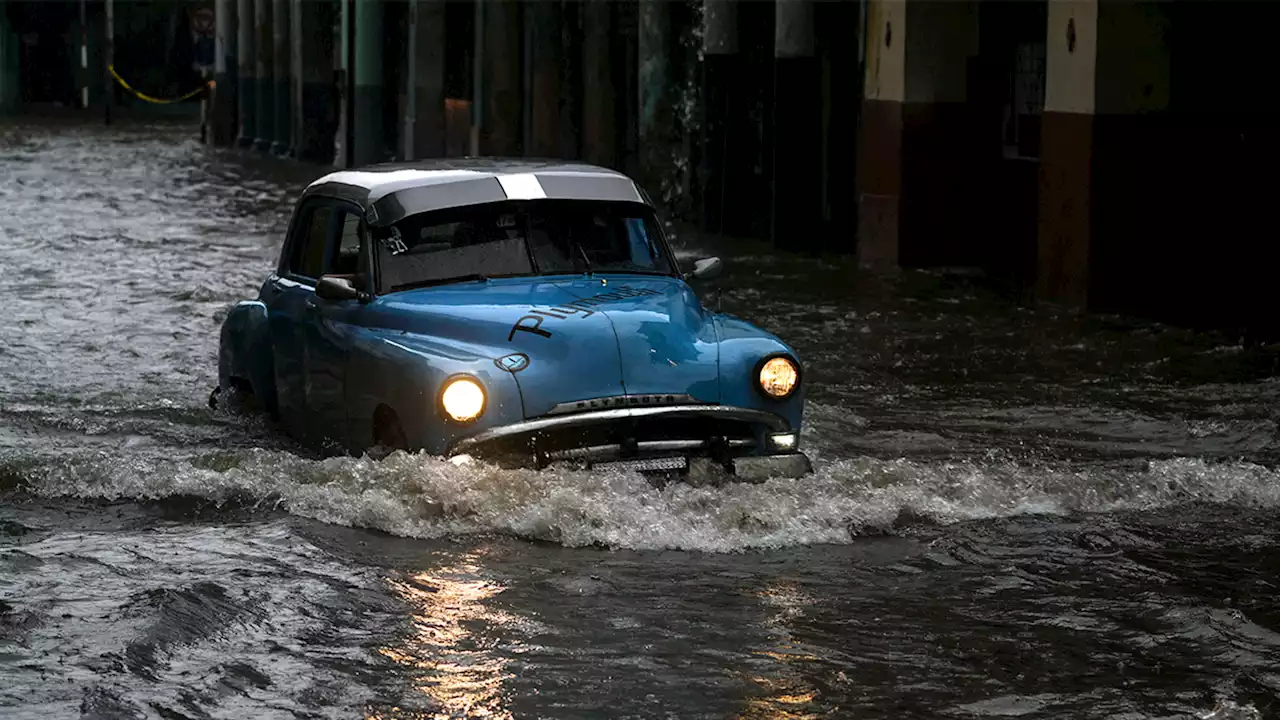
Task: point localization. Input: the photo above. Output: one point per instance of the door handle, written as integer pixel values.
(311, 304)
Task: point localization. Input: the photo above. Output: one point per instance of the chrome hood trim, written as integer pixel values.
(614, 401)
(775, 423)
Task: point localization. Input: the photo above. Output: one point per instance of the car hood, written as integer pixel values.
(574, 339)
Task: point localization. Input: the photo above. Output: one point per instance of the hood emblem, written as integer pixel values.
(513, 363)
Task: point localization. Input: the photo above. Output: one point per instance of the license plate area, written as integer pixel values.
(658, 464)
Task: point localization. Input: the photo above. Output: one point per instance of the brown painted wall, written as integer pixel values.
(879, 181)
(1065, 206)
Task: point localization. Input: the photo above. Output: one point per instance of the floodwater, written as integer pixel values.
(1015, 511)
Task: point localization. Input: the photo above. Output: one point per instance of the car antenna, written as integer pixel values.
(583, 253)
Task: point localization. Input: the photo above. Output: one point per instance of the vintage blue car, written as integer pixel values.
(519, 312)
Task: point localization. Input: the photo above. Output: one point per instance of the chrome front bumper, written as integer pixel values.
(742, 454)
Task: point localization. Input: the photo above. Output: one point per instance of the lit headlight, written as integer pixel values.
(462, 399)
(778, 377)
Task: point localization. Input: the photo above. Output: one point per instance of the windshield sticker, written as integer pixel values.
(394, 243)
(532, 323)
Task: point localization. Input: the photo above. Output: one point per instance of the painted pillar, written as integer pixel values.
(960, 202)
(654, 101)
(83, 78)
(344, 51)
(599, 96)
(264, 57)
(108, 60)
(315, 97)
(624, 51)
(796, 187)
(880, 135)
(721, 71)
(247, 82)
(1066, 148)
(225, 74)
(368, 92)
(424, 132)
(282, 134)
(499, 90)
(546, 102)
(8, 64)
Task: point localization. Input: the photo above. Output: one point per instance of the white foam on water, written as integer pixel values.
(425, 497)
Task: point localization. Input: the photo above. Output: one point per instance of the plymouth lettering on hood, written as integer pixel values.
(532, 323)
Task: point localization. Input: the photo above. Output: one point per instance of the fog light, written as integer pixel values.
(784, 441)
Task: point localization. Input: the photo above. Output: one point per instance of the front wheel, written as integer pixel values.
(388, 434)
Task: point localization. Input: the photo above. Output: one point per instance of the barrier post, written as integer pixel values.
(108, 60)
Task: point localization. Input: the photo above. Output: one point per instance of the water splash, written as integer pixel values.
(425, 497)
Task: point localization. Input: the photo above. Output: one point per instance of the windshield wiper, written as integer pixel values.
(471, 277)
(618, 271)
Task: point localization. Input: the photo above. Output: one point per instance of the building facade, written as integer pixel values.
(1109, 154)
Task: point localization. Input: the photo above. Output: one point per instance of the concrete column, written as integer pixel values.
(315, 99)
(424, 122)
(880, 134)
(368, 94)
(547, 101)
(282, 136)
(721, 77)
(1066, 145)
(264, 56)
(499, 93)
(223, 114)
(246, 82)
(797, 211)
(599, 96)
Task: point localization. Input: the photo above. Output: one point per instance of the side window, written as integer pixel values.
(308, 250)
(347, 258)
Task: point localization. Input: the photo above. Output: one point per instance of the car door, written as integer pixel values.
(288, 292)
(330, 326)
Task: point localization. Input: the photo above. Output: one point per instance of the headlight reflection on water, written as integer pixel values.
(789, 694)
(460, 668)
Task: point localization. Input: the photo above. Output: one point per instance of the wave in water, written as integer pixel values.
(425, 497)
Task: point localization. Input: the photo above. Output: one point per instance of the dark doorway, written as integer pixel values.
(1008, 84)
(45, 37)
(395, 58)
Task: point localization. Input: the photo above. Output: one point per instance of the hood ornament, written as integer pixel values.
(513, 363)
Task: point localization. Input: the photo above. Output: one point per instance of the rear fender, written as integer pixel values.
(244, 351)
(405, 371)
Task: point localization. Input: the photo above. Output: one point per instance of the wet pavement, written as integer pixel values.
(1016, 511)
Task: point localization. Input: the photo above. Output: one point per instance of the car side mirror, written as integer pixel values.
(707, 269)
(338, 288)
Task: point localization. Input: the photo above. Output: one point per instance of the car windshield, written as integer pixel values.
(540, 237)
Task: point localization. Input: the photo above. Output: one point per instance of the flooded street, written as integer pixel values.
(1015, 511)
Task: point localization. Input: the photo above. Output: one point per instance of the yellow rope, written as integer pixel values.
(157, 101)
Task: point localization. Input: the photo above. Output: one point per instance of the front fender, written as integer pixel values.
(244, 352)
(405, 371)
(742, 347)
